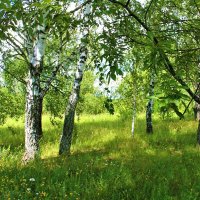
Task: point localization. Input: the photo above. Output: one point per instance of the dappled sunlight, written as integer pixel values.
(104, 154)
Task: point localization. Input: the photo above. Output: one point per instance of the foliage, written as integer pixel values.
(12, 104)
(133, 85)
(91, 100)
(56, 99)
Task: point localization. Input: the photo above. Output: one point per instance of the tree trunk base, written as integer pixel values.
(149, 130)
(28, 157)
(65, 145)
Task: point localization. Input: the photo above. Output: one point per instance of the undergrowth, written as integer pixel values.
(106, 161)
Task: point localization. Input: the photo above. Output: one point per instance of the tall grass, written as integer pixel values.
(106, 162)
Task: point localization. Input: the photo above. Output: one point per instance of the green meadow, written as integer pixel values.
(106, 162)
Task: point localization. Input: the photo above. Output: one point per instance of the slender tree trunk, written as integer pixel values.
(66, 137)
(133, 122)
(134, 115)
(149, 110)
(198, 133)
(34, 97)
(134, 85)
(197, 111)
(197, 105)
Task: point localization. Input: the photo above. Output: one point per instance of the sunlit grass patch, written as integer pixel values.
(106, 161)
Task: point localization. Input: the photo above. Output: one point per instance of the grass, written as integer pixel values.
(106, 162)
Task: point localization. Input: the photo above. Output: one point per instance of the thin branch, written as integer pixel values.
(81, 6)
(130, 39)
(145, 16)
(15, 39)
(132, 14)
(54, 72)
(191, 100)
(17, 48)
(50, 80)
(13, 75)
(58, 89)
(127, 3)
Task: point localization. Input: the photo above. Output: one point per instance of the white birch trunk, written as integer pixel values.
(134, 116)
(66, 137)
(197, 111)
(33, 112)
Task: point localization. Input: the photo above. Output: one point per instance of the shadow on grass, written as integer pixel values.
(145, 167)
(121, 169)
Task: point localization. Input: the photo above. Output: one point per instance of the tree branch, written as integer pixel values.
(81, 6)
(127, 3)
(132, 14)
(54, 72)
(166, 60)
(145, 16)
(13, 75)
(191, 100)
(17, 48)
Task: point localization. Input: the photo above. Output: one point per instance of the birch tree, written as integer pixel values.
(26, 25)
(68, 126)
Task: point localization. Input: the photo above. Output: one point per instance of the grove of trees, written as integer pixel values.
(49, 48)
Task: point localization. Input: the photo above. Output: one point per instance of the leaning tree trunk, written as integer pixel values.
(149, 111)
(66, 137)
(197, 105)
(34, 98)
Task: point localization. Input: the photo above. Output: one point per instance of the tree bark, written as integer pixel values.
(197, 111)
(198, 133)
(66, 137)
(33, 128)
(197, 105)
(149, 110)
(34, 97)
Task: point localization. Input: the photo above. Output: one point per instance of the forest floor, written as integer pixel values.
(106, 161)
